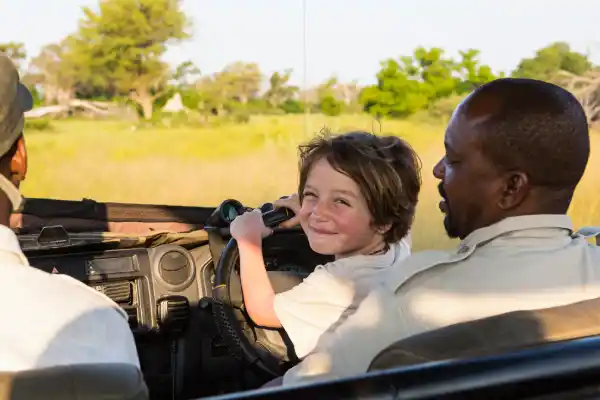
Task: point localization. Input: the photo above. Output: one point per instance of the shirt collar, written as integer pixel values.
(514, 224)
(9, 243)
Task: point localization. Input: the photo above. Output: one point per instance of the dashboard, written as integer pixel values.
(147, 283)
(160, 289)
(166, 291)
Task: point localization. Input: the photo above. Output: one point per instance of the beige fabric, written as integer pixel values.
(51, 320)
(331, 292)
(76, 382)
(494, 335)
(520, 263)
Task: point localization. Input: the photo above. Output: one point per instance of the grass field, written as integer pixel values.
(255, 162)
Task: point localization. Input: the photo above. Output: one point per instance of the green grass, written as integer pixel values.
(255, 162)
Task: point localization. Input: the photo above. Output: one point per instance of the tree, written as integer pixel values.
(185, 73)
(409, 84)
(331, 106)
(328, 97)
(280, 91)
(243, 81)
(587, 90)
(183, 81)
(123, 43)
(55, 71)
(214, 93)
(471, 73)
(550, 60)
(15, 51)
(350, 94)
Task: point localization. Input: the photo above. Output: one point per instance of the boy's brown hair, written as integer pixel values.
(386, 169)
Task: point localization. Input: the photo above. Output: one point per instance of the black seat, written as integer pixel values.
(494, 335)
(75, 382)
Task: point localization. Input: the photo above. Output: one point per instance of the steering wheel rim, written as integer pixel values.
(230, 326)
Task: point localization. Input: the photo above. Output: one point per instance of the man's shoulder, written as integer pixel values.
(417, 263)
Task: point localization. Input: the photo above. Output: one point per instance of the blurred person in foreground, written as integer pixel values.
(48, 319)
(516, 150)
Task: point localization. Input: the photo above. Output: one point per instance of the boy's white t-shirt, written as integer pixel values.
(331, 293)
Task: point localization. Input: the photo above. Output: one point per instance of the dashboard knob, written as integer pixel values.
(173, 313)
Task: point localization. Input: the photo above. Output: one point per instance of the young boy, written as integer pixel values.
(356, 200)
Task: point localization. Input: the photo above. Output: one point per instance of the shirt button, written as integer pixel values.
(463, 249)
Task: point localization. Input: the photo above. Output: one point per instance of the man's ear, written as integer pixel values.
(515, 190)
(18, 163)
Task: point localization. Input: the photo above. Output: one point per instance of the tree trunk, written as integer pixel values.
(143, 97)
(147, 108)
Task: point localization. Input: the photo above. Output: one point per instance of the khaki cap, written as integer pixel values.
(15, 100)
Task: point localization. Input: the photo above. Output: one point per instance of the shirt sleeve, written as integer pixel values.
(309, 309)
(349, 349)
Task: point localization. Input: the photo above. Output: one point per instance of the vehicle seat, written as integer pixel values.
(75, 382)
(493, 335)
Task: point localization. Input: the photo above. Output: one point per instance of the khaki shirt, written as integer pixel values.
(520, 263)
(51, 319)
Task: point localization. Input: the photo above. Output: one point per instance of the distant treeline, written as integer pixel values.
(116, 54)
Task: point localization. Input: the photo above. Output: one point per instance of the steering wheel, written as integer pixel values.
(271, 350)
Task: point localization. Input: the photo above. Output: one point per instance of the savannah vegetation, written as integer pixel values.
(234, 138)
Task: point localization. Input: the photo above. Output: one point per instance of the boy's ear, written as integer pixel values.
(383, 229)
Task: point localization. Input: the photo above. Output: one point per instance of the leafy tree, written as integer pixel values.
(410, 84)
(280, 91)
(331, 106)
(292, 106)
(471, 73)
(185, 73)
(121, 47)
(15, 51)
(550, 60)
(243, 81)
(396, 94)
(55, 71)
(213, 94)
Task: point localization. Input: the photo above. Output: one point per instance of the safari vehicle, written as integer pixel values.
(174, 270)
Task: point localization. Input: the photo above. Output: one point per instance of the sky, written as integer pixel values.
(347, 38)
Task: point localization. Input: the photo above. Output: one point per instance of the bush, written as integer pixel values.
(331, 106)
(443, 108)
(41, 124)
(292, 106)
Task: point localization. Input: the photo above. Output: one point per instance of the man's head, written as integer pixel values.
(15, 100)
(513, 147)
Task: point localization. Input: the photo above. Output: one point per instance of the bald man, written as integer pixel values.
(515, 151)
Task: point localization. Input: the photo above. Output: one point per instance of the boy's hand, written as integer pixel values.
(293, 203)
(249, 227)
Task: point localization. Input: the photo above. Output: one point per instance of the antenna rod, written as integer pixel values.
(305, 60)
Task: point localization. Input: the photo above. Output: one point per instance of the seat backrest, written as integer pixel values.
(75, 382)
(494, 335)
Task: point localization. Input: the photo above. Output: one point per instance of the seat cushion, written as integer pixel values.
(494, 335)
(75, 382)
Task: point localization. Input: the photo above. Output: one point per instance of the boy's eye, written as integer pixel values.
(342, 201)
(308, 194)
